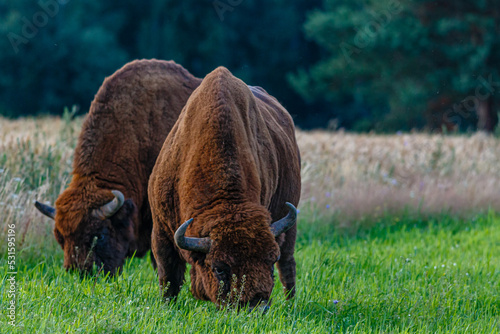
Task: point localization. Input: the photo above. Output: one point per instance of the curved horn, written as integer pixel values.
(46, 210)
(284, 224)
(109, 209)
(192, 244)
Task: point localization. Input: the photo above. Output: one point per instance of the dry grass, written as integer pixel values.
(346, 176)
(362, 176)
(35, 163)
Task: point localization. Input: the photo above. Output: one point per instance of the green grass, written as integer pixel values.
(402, 275)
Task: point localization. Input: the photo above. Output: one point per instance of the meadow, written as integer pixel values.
(397, 233)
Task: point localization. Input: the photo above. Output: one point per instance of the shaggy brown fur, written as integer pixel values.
(230, 162)
(129, 119)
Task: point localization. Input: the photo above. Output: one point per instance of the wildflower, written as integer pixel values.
(394, 182)
(298, 210)
(328, 206)
(335, 301)
(442, 265)
(454, 264)
(328, 194)
(16, 179)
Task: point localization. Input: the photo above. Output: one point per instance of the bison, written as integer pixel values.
(219, 193)
(103, 216)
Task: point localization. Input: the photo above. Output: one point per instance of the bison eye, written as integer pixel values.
(221, 271)
(103, 236)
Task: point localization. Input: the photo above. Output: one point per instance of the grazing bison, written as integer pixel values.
(218, 195)
(104, 216)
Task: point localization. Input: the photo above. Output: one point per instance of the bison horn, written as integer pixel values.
(109, 209)
(46, 210)
(192, 244)
(284, 224)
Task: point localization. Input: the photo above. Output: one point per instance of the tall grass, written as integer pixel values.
(360, 177)
(35, 164)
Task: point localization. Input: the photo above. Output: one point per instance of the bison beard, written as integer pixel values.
(104, 216)
(218, 193)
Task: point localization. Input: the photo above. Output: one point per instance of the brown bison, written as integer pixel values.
(218, 195)
(129, 119)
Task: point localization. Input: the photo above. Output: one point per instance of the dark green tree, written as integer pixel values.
(259, 41)
(54, 55)
(65, 60)
(404, 64)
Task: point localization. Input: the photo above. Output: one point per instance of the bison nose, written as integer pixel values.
(262, 306)
(259, 303)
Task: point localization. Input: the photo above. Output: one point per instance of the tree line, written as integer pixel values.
(382, 65)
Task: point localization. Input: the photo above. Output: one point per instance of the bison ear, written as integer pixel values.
(198, 257)
(59, 237)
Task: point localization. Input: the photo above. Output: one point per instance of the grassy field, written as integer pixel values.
(396, 234)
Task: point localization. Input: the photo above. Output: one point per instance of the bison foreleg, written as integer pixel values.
(286, 264)
(171, 267)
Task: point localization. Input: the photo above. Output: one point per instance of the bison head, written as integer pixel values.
(235, 264)
(99, 235)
